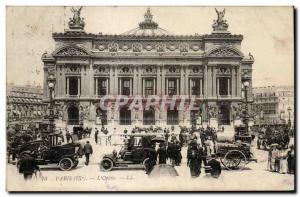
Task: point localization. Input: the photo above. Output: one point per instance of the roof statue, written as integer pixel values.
(220, 24)
(76, 23)
(148, 27)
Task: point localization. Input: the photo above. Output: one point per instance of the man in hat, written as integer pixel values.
(28, 166)
(162, 154)
(171, 151)
(87, 150)
(215, 166)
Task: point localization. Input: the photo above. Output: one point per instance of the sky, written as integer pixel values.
(268, 34)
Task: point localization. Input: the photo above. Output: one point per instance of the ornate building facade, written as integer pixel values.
(145, 61)
(25, 103)
(274, 104)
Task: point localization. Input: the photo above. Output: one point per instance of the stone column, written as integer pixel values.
(135, 90)
(120, 86)
(91, 80)
(201, 90)
(67, 86)
(96, 86)
(182, 80)
(64, 83)
(79, 84)
(233, 82)
(111, 81)
(140, 87)
(186, 81)
(190, 87)
(163, 81)
(218, 86)
(228, 86)
(159, 81)
(107, 85)
(167, 86)
(116, 90)
(214, 81)
(177, 86)
(239, 82)
(208, 81)
(130, 86)
(143, 86)
(154, 86)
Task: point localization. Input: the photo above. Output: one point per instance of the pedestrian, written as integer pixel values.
(181, 138)
(28, 166)
(215, 166)
(96, 135)
(277, 158)
(151, 162)
(194, 159)
(178, 155)
(171, 152)
(87, 150)
(283, 160)
(68, 136)
(162, 154)
(291, 160)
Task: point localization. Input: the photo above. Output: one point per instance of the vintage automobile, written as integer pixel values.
(134, 153)
(48, 151)
(65, 156)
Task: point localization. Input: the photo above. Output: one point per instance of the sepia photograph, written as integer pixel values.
(150, 98)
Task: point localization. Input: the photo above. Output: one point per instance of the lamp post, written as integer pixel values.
(289, 109)
(246, 115)
(51, 84)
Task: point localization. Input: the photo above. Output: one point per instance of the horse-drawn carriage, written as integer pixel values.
(234, 155)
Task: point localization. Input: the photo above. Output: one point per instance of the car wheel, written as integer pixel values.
(65, 164)
(106, 164)
(146, 163)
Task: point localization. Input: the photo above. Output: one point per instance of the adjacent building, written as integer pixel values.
(145, 61)
(274, 104)
(24, 103)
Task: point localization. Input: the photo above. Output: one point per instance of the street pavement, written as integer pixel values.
(89, 178)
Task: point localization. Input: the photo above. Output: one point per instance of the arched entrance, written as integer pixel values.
(172, 117)
(224, 115)
(149, 117)
(125, 116)
(73, 115)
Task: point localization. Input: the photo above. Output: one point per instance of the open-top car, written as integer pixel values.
(134, 153)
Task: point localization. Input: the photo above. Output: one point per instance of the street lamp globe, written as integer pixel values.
(51, 81)
(51, 85)
(246, 84)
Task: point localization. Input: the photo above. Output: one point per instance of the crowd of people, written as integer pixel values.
(273, 134)
(281, 160)
(200, 143)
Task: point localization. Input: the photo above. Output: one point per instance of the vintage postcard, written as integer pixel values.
(150, 98)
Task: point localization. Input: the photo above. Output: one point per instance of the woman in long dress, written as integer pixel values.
(283, 161)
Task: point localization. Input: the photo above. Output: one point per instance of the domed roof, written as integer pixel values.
(148, 27)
